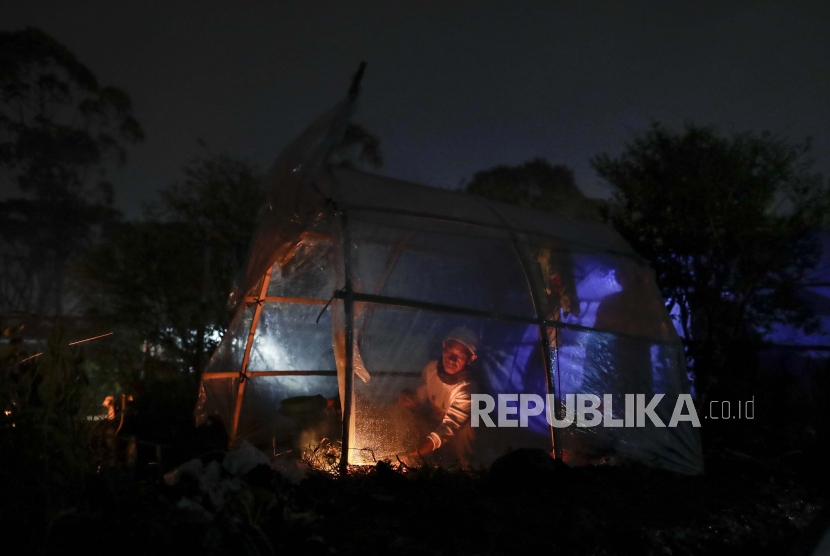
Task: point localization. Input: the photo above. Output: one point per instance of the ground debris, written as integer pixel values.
(594, 510)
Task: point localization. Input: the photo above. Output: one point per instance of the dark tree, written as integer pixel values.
(535, 184)
(168, 278)
(727, 224)
(59, 129)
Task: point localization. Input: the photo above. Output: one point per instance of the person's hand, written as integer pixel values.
(426, 447)
(406, 459)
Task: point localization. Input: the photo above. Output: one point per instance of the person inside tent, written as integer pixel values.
(441, 404)
(622, 365)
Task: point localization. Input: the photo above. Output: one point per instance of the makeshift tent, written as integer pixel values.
(355, 279)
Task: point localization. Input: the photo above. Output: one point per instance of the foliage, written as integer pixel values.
(534, 184)
(58, 131)
(45, 437)
(168, 277)
(726, 223)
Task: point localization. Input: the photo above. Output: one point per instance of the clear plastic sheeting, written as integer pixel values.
(228, 356)
(217, 395)
(551, 306)
(308, 271)
(367, 193)
(295, 196)
(406, 259)
(578, 235)
(613, 368)
(289, 337)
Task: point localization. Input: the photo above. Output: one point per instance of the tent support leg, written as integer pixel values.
(555, 412)
(348, 305)
(243, 373)
(549, 378)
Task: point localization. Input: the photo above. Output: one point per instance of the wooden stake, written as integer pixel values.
(243, 372)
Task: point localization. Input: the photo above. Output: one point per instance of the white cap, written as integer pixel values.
(464, 336)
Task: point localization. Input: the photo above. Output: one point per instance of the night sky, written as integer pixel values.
(450, 87)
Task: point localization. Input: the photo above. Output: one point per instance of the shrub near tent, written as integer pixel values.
(560, 307)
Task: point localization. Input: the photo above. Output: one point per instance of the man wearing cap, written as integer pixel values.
(446, 384)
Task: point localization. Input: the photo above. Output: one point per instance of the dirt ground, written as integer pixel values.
(521, 507)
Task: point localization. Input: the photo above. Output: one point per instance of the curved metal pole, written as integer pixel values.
(543, 334)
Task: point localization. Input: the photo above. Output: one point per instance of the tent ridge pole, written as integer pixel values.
(244, 370)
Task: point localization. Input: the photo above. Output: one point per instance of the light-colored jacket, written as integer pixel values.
(450, 402)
